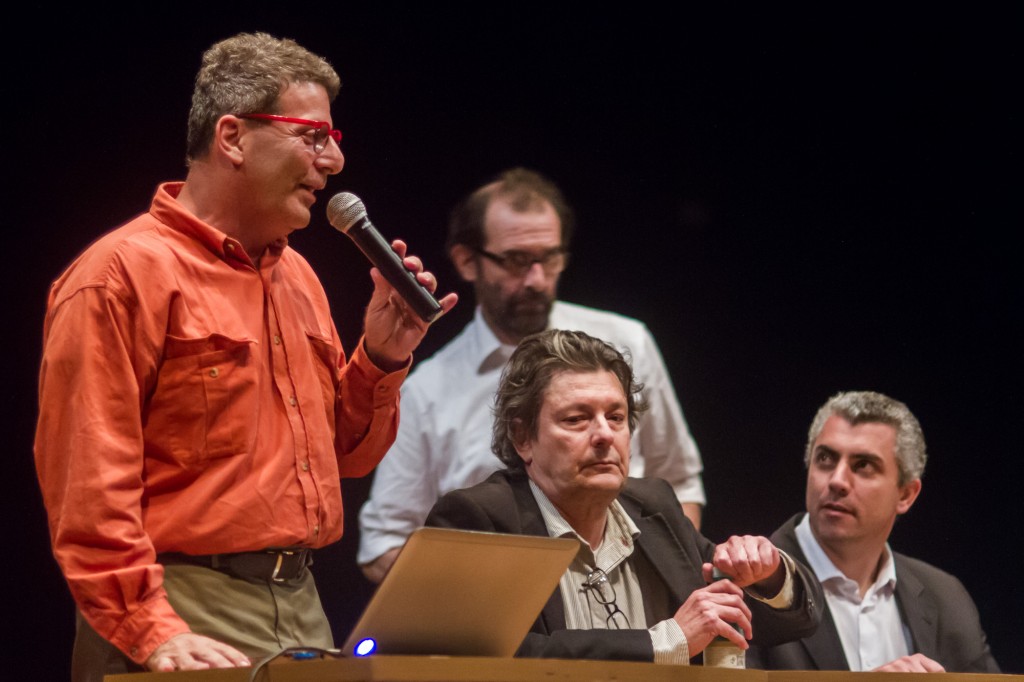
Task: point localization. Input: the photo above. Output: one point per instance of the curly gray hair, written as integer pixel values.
(859, 407)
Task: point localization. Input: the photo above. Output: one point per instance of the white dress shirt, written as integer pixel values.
(444, 433)
(870, 628)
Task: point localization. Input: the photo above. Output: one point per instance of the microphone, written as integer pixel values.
(346, 213)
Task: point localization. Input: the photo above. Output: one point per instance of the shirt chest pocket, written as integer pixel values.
(326, 359)
(206, 401)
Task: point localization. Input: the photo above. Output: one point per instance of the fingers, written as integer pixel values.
(737, 637)
(747, 559)
(189, 651)
(720, 585)
(231, 655)
(929, 665)
(715, 610)
(426, 278)
(415, 265)
(448, 302)
(412, 263)
(212, 659)
(731, 610)
(392, 329)
(915, 663)
(399, 247)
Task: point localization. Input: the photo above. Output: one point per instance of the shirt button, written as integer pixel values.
(316, 530)
(305, 466)
(277, 340)
(292, 401)
(134, 651)
(229, 246)
(214, 372)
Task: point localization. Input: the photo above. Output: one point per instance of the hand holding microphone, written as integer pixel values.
(347, 214)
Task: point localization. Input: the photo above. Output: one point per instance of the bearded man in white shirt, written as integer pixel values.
(510, 240)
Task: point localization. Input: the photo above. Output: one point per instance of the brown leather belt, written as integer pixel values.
(277, 565)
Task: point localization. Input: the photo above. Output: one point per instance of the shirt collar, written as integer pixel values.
(492, 352)
(490, 349)
(826, 570)
(620, 533)
(170, 212)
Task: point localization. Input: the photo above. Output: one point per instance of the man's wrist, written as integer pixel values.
(783, 596)
(669, 642)
(383, 362)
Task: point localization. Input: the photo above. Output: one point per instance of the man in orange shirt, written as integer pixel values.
(197, 410)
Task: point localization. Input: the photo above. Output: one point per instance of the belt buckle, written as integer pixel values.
(280, 561)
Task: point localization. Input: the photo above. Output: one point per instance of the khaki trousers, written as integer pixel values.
(257, 618)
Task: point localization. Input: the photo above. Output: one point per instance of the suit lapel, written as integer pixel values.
(531, 522)
(824, 647)
(920, 613)
(675, 566)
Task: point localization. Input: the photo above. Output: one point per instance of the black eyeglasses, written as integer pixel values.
(598, 584)
(320, 130)
(518, 263)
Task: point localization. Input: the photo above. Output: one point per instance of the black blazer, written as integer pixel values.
(936, 609)
(668, 564)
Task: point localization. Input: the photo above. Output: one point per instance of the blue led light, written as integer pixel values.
(365, 647)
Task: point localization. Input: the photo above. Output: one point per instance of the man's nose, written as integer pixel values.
(536, 278)
(602, 433)
(839, 479)
(330, 160)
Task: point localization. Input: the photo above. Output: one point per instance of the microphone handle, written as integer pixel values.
(380, 253)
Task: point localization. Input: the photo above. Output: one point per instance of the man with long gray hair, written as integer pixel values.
(641, 586)
(885, 611)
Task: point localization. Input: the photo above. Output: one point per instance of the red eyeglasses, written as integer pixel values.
(321, 129)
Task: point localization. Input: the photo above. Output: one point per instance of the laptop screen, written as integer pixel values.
(461, 593)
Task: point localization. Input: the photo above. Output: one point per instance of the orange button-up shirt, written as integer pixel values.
(190, 401)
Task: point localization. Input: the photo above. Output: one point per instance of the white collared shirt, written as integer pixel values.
(870, 628)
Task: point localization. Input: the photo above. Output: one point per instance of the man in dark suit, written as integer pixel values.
(641, 586)
(885, 611)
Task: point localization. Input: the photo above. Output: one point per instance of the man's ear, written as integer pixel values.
(908, 493)
(521, 441)
(465, 262)
(227, 138)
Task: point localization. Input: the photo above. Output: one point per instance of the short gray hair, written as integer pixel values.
(860, 407)
(245, 74)
(526, 377)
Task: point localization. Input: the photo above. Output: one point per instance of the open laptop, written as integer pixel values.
(461, 593)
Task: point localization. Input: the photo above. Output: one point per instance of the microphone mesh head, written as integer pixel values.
(344, 210)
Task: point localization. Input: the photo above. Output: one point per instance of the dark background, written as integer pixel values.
(795, 205)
